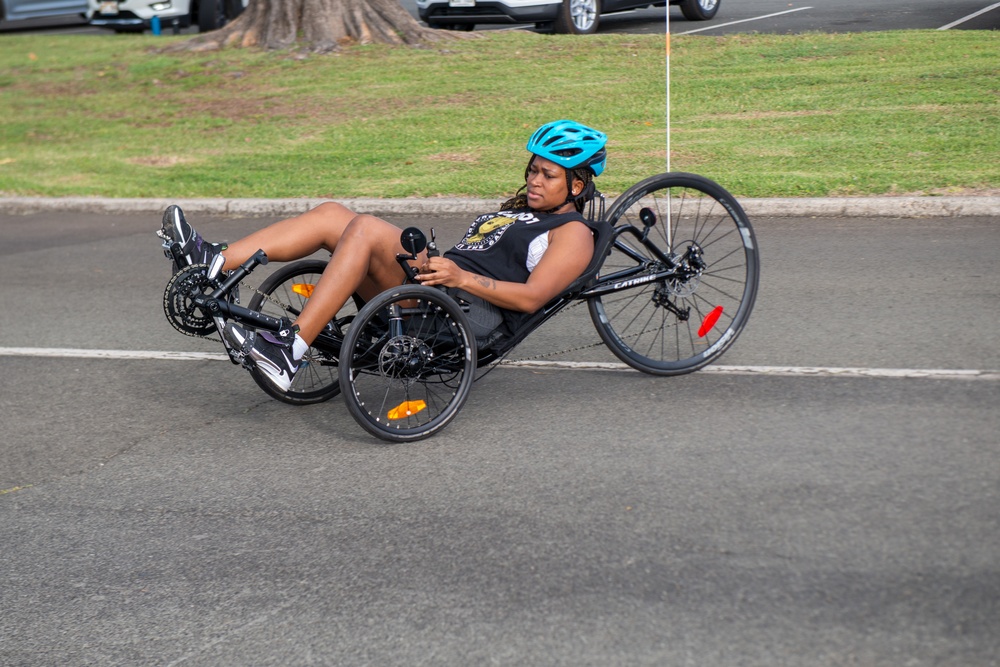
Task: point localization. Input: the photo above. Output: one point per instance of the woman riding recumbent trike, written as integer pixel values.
(669, 275)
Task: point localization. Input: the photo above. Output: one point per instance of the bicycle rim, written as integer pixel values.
(408, 380)
(677, 324)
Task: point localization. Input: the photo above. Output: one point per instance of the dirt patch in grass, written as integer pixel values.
(159, 160)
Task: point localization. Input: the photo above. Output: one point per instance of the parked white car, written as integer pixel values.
(137, 15)
(578, 17)
(16, 10)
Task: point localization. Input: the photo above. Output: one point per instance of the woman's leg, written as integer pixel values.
(364, 261)
(295, 237)
(364, 251)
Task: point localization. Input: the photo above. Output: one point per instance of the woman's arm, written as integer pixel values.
(570, 248)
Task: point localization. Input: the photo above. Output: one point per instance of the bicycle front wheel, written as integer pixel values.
(408, 363)
(283, 294)
(682, 296)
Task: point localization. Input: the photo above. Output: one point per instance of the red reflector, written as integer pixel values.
(709, 321)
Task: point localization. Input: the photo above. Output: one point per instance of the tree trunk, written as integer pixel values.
(319, 25)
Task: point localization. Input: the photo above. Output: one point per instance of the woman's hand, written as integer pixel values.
(570, 249)
(441, 271)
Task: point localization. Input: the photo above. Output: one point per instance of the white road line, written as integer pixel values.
(780, 371)
(756, 18)
(71, 353)
(796, 371)
(969, 17)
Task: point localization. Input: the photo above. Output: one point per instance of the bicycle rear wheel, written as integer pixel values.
(408, 363)
(283, 294)
(687, 317)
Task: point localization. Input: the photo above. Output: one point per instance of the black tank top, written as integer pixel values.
(496, 246)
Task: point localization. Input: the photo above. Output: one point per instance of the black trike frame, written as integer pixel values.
(587, 286)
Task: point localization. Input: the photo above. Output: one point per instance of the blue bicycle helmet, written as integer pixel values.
(570, 145)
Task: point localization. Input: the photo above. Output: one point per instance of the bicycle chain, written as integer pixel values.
(544, 355)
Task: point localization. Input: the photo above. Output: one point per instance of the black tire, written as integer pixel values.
(699, 10)
(287, 291)
(644, 325)
(578, 17)
(211, 15)
(406, 380)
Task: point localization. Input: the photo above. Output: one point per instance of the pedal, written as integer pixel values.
(165, 242)
(240, 357)
(243, 354)
(235, 356)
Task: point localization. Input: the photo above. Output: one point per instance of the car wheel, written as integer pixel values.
(211, 15)
(578, 17)
(699, 10)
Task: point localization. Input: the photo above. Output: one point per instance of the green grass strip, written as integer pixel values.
(765, 115)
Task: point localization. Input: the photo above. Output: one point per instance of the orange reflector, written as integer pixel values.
(303, 289)
(406, 409)
(709, 321)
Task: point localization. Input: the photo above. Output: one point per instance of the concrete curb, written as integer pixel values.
(848, 207)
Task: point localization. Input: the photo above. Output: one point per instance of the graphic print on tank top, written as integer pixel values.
(488, 229)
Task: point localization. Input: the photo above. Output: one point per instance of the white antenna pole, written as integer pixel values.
(668, 224)
(667, 60)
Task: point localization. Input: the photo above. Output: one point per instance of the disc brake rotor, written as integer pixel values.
(683, 288)
(403, 358)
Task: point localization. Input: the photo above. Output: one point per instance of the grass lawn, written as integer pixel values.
(765, 115)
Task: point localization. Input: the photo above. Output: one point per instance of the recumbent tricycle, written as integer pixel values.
(670, 287)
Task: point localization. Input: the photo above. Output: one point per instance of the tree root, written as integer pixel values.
(319, 26)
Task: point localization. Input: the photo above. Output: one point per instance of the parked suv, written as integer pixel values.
(16, 10)
(577, 17)
(137, 15)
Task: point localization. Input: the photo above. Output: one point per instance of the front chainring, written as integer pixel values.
(178, 303)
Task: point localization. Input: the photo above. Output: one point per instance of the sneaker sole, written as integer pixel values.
(279, 379)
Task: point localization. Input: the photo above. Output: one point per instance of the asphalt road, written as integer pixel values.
(765, 16)
(165, 512)
(784, 17)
